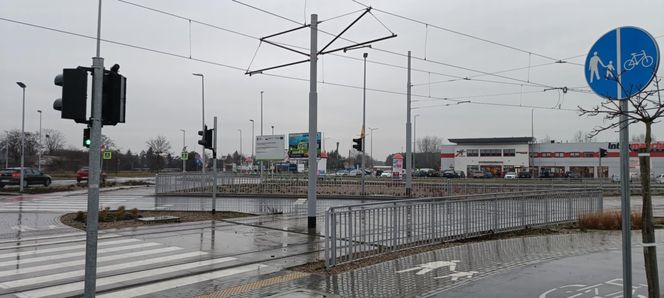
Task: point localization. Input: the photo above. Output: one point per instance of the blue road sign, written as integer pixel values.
(622, 63)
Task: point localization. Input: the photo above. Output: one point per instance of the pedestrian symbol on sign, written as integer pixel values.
(107, 154)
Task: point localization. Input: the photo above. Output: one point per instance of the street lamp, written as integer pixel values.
(20, 84)
(272, 129)
(202, 113)
(240, 130)
(7, 151)
(364, 119)
(261, 113)
(371, 151)
(39, 152)
(184, 150)
(415, 138)
(253, 139)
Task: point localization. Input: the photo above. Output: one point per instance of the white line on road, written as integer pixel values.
(78, 286)
(78, 273)
(74, 254)
(82, 262)
(62, 248)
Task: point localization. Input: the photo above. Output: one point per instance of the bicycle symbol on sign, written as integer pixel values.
(638, 58)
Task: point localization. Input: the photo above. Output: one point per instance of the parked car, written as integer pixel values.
(524, 175)
(12, 176)
(450, 174)
(354, 173)
(82, 175)
(342, 173)
(481, 174)
(573, 175)
(461, 174)
(510, 175)
(386, 175)
(546, 175)
(659, 178)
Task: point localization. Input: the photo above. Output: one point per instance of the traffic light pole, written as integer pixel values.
(409, 160)
(94, 170)
(214, 167)
(313, 121)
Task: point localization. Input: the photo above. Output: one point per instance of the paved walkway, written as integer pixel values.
(249, 257)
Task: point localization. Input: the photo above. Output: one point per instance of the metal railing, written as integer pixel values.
(359, 231)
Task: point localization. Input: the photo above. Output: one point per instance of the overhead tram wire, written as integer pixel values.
(185, 57)
(458, 32)
(404, 55)
(456, 77)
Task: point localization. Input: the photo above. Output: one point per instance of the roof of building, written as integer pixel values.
(507, 140)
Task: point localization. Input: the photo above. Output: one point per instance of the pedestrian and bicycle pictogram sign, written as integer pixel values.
(622, 63)
(184, 155)
(107, 154)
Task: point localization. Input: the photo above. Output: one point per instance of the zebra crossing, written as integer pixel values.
(48, 204)
(126, 267)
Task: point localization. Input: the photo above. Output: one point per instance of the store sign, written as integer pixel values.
(298, 145)
(270, 147)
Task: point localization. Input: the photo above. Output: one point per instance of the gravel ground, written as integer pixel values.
(185, 216)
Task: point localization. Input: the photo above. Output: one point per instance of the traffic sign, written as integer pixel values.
(107, 154)
(622, 63)
(184, 155)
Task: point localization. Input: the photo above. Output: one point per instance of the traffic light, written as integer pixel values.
(358, 144)
(206, 140)
(72, 104)
(114, 97)
(86, 137)
(603, 152)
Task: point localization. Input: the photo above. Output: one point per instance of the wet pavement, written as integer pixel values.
(249, 257)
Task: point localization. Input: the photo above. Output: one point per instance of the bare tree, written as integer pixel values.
(159, 145)
(429, 144)
(12, 141)
(645, 107)
(53, 140)
(108, 143)
(581, 137)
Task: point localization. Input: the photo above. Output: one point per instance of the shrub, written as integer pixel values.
(121, 214)
(607, 220)
(134, 213)
(80, 216)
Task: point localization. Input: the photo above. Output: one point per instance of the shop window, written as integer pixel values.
(559, 154)
(545, 154)
(509, 152)
(491, 152)
(575, 154)
(587, 154)
(472, 153)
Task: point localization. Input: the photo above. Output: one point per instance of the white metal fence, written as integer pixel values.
(359, 231)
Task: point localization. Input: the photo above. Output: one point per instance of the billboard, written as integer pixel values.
(298, 145)
(270, 147)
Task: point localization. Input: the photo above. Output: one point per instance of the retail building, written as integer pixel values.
(519, 154)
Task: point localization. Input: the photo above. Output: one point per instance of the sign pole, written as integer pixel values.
(214, 167)
(313, 121)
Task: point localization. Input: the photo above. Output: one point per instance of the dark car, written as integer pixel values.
(12, 176)
(523, 175)
(546, 175)
(450, 174)
(572, 175)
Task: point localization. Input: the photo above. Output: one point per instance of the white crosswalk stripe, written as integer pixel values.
(74, 254)
(62, 248)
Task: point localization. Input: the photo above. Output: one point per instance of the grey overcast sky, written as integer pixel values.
(163, 96)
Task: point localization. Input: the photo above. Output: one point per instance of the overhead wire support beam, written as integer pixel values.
(345, 29)
(357, 45)
(260, 71)
(283, 32)
(284, 47)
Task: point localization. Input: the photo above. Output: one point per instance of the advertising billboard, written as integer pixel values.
(270, 147)
(298, 145)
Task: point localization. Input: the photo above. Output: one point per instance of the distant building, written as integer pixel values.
(518, 154)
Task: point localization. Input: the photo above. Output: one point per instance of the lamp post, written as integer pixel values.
(364, 119)
(240, 130)
(253, 139)
(272, 129)
(39, 152)
(202, 114)
(20, 84)
(415, 139)
(184, 150)
(7, 151)
(371, 151)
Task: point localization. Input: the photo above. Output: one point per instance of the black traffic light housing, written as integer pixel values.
(358, 144)
(603, 152)
(72, 104)
(86, 137)
(114, 97)
(206, 140)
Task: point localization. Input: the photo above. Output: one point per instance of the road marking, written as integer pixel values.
(456, 275)
(74, 254)
(428, 267)
(179, 282)
(82, 262)
(44, 237)
(62, 248)
(78, 273)
(160, 286)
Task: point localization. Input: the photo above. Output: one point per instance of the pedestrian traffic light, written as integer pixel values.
(113, 97)
(72, 104)
(206, 140)
(358, 144)
(603, 152)
(86, 137)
